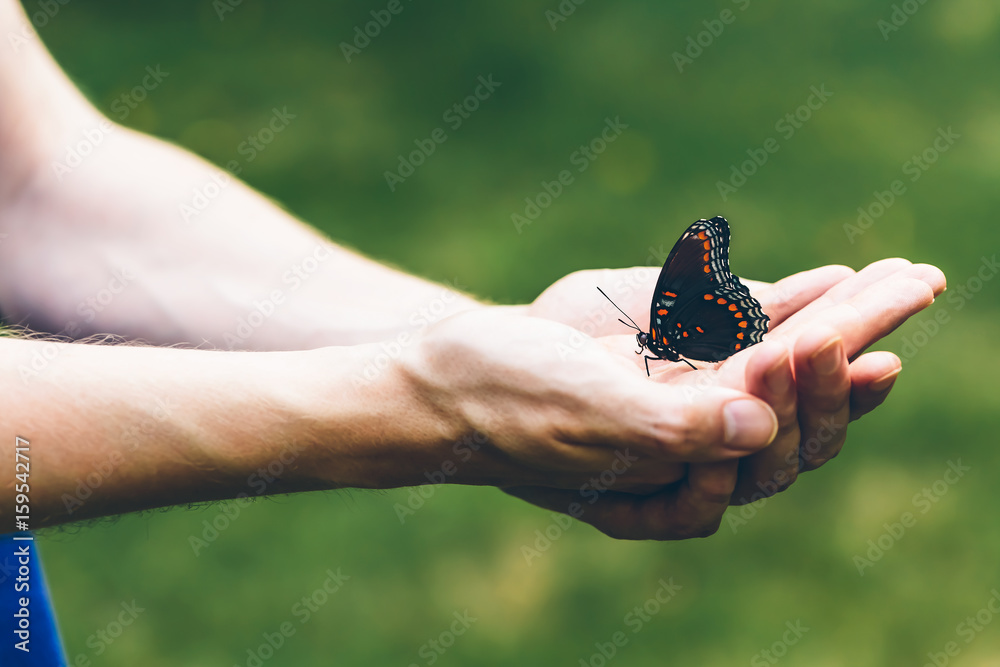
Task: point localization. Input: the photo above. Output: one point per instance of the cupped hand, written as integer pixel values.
(811, 367)
(568, 421)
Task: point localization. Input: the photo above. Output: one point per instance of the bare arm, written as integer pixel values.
(106, 250)
(119, 429)
(483, 398)
(105, 230)
(119, 243)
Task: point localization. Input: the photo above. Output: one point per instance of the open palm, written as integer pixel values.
(811, 368)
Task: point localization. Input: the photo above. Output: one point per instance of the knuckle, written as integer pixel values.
(832, 402)
(819, 460)
(788, 426)
(716, 496)
(842, 270)
(690, 434)
(897, 263)
(674, 442)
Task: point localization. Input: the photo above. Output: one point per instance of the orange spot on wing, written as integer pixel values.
(661, 311)
(708, 297)
(699, 329)
(721, 301)
(739, 315)
(706, 268)
(740, 335)
(743, 324)
(670, 294)
(678, 325)
(685, 334)
(701, 235)
(705, 258)
(708, 245)
(732, 307)
(738, 346)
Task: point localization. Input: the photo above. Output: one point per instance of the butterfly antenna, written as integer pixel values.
(633, 325)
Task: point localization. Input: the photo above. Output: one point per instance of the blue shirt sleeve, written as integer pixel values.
(28, 632)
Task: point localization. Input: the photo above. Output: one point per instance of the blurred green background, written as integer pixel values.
(791, 562)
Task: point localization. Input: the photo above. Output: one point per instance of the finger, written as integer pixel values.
(687, 423)
(620, 408)
(824, 387)
(789, 295)
(873, 376)
(876, 274)
(886, 302)
(645, 489)
(773, 469)
(930, 274)
(888, 292)
(844, 290)
(582, 467)
(875, 312)
(691, 508)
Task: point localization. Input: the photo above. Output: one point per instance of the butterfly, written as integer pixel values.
(700, 310)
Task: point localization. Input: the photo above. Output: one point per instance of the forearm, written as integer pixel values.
(105, 230)
(113, 253)
(119, 429)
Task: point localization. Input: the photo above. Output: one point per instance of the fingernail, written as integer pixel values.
(749, 424)
(826, 360)
(885, 381)
(778, 377)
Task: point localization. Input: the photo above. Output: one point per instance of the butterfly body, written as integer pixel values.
(699, 309)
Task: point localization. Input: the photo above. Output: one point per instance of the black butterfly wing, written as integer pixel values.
(700, 309)
(684, 274)
(727, 321)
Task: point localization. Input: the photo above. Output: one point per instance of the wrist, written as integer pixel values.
(363, 421)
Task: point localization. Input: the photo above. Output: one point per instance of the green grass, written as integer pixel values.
(452, 221)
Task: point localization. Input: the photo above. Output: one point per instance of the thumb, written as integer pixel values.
(685, 424)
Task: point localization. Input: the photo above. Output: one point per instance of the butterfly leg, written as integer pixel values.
(689, 363)
(647, 363)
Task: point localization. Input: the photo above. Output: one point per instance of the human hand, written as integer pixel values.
(829, 314)
(565, 418)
